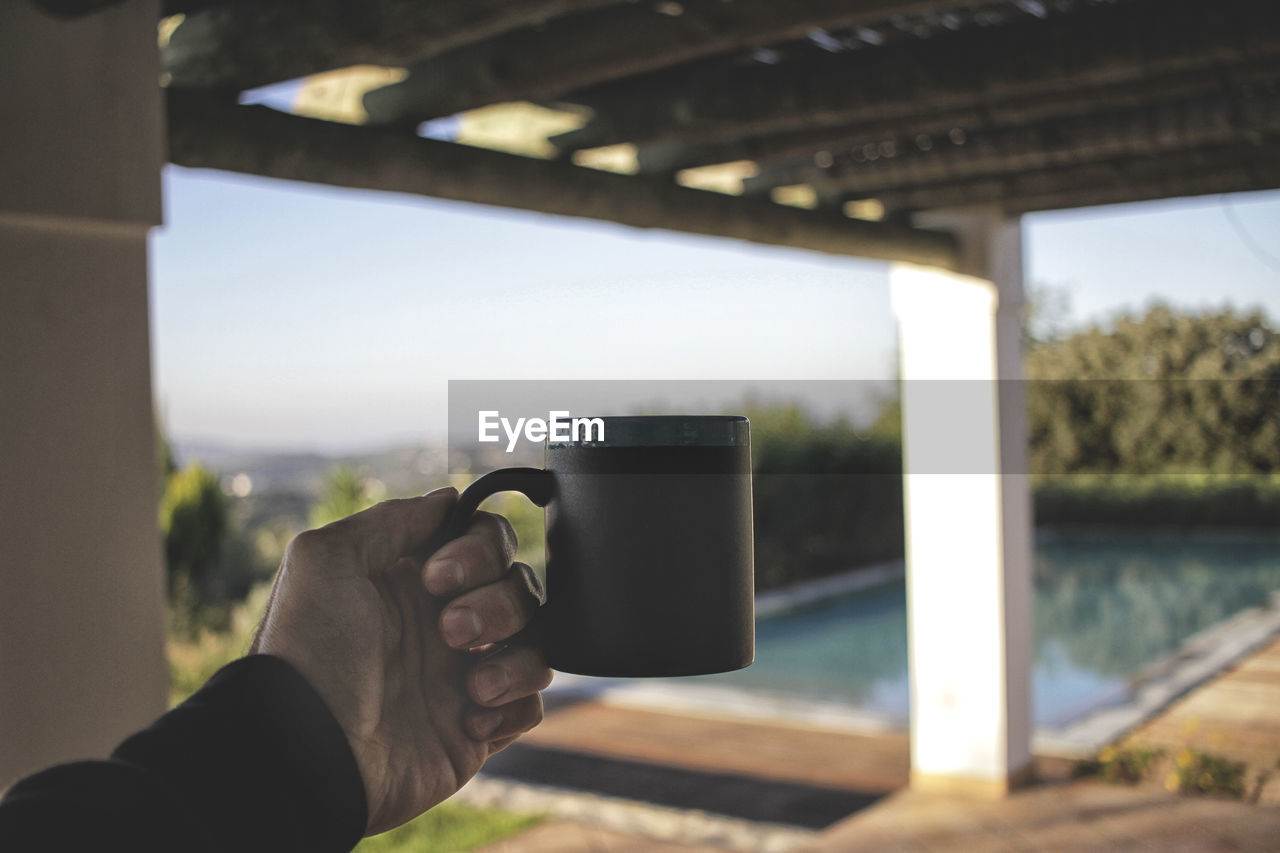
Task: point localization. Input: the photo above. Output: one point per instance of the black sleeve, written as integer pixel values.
(254, 761)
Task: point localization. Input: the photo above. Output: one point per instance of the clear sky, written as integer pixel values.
(291, 316)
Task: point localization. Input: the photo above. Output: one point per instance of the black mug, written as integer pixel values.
(650, 566)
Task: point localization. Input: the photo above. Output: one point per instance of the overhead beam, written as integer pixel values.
(665, 158)
(242, 44)
(977, 68)
(209, 133)
(578, 51)
(903, 163)
(1230, 168)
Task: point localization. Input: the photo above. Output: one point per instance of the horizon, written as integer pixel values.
(291, 317)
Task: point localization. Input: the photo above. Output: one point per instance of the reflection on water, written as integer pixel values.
(1106, 607)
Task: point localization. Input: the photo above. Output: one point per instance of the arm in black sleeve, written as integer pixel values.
(254, 761)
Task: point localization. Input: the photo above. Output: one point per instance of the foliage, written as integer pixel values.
(826, 497)
(450, 828)
(344, 492)
(1165, 392)
(193, 522)
(197, 654)
(1173, 500)
(166, 463)
(1126, 766)
(1197, 772)
(1047, 314)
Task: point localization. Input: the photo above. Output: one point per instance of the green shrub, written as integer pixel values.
(1198, 772)
(193, 522)
(1185, 500)
(827, 498)
(1120, 765)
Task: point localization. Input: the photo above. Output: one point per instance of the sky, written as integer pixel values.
(290, 316)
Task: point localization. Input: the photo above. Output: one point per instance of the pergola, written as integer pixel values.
(913, 131)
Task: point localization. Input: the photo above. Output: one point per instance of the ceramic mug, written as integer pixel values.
(649, 566)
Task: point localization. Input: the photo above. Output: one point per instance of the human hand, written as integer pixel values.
(412, 679)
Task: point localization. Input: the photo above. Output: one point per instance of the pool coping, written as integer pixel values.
(1199, 658)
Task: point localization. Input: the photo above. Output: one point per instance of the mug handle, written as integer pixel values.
(536, 484)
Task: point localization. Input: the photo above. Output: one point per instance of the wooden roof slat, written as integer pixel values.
(249, 43)
(1163, 129)
(1230, 168)
(790, 146)
(211, 133)
(972, 69)
(578, 51)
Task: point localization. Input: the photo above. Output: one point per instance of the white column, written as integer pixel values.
(81, 580)
(968, 513)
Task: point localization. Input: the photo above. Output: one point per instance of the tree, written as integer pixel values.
(193, 521)
(344, 492)
(1164, 392)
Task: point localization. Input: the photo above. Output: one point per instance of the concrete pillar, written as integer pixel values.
(968, 511)
(81, 579)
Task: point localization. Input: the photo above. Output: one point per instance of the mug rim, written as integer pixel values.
(665, 431)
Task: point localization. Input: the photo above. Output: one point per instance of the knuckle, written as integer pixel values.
(500, 532)
(307, 545)
(529, 583)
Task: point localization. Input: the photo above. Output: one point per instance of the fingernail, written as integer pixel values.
(440, 491)
(460, 626)
(485, 723)
(491, 682)
(444, 576)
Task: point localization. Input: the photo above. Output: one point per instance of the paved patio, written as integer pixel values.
(1077, 816)
(789, 774)
(1236, 716)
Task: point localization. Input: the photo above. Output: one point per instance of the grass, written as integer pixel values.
(449, 828)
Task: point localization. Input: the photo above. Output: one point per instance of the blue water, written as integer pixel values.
(1105, 608)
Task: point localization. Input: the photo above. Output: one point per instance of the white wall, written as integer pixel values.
(81, 579)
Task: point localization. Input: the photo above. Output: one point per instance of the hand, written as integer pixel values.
(421, 695)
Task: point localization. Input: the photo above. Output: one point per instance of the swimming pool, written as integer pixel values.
(1106, 608)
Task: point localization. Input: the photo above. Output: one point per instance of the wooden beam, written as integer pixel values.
(574, 52)
(207, 133)
(1230, 168)
(978, 68)
(913, 163)
(666, 158)
(241, 44)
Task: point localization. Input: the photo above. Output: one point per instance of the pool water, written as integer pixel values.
(1106, 607)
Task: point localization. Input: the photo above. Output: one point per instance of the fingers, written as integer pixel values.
(480, 556)
(508, 675)
(498, 724)
(491, 613)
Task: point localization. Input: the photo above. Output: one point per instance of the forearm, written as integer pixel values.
(253, 761)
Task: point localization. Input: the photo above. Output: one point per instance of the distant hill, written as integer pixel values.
(403, 471)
